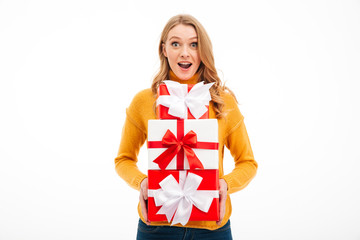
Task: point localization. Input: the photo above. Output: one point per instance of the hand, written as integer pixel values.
(222, 199)
(143, 199)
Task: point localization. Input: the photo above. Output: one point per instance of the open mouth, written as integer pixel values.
(184, 65)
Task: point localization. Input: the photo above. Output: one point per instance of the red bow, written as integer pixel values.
(175, 145)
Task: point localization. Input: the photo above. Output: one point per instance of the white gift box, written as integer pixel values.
(206, 147)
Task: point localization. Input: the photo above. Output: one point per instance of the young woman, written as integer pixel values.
(186, 56)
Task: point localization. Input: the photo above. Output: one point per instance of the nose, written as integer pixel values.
(185, 52)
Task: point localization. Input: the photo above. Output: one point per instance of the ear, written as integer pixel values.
(164, 49)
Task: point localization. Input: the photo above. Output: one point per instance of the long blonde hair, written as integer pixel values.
(207, 71)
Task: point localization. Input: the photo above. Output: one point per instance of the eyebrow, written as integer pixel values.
(180, 38)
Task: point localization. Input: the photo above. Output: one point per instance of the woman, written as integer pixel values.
(186, 56)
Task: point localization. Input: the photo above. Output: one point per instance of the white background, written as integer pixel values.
(69, 69)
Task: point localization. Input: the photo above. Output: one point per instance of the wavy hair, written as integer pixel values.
(207, 71)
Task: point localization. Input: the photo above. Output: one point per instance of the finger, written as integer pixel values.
(143, 205)
(221, 216)
(222, 211)
(145, 193)
(222, 206)
(144, 188)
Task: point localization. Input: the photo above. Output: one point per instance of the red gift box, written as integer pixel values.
(170, 190)
(162, 112)
(183, 144)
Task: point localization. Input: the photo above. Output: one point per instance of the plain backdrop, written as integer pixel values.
(69, 69)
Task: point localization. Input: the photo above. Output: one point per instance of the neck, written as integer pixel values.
(193, 80)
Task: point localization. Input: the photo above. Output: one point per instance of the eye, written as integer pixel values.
(175, 44)
(194, 44)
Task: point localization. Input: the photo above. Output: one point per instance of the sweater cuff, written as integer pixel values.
(138, 180)
(228, 181)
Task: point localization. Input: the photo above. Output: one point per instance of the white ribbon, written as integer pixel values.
(180, 99)
(179, 198)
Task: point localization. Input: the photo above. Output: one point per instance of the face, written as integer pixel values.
(181, 50)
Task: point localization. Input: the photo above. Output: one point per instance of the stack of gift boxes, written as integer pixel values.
(183, 160)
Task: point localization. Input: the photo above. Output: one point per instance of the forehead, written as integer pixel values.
(183, 32)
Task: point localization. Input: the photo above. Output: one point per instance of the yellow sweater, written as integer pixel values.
(232, 134)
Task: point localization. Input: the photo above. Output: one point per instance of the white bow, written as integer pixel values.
(181, 197)
(180, 99)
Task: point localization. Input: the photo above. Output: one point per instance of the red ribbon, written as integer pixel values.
(175, 145)
(175, 148)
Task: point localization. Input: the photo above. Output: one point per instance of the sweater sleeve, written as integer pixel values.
(132, 138)
(237, 141)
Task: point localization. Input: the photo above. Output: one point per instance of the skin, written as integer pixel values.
(181, 47)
